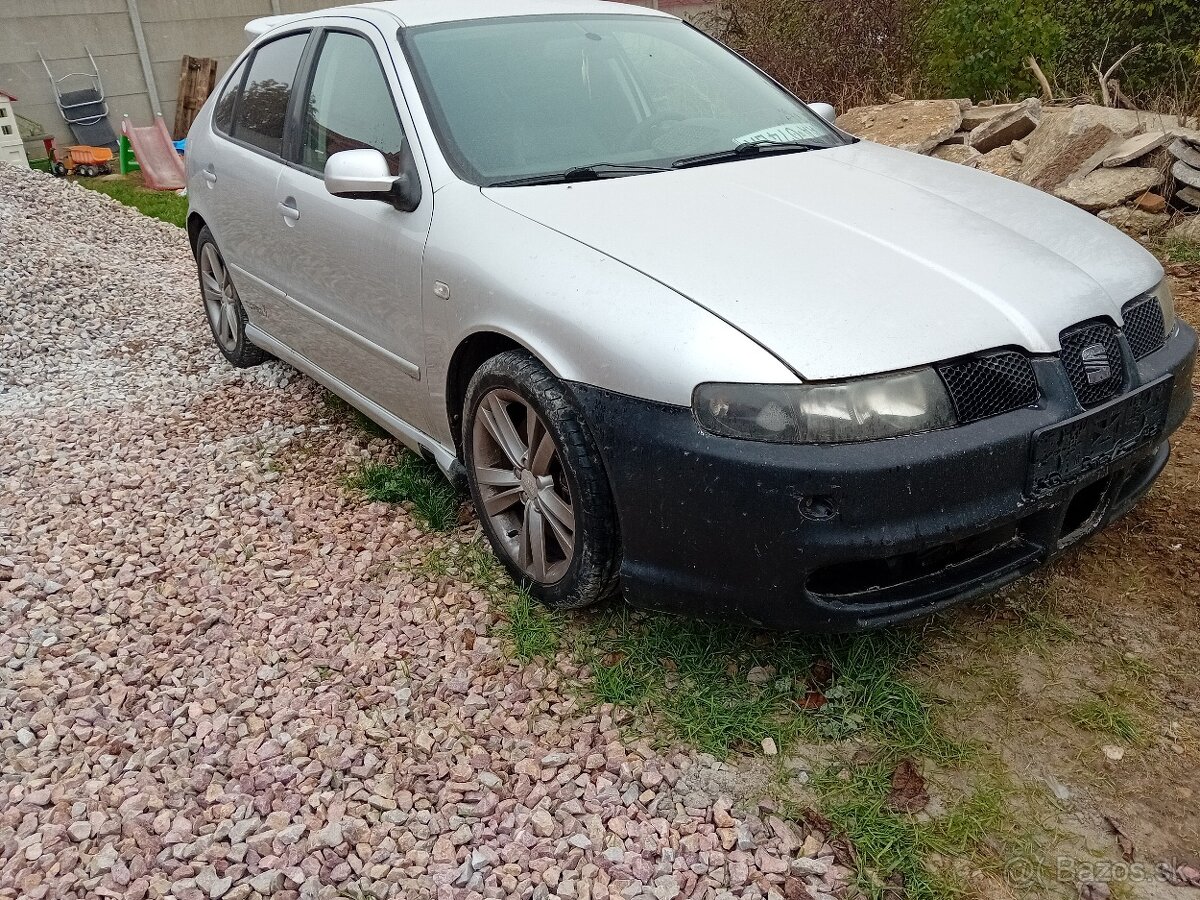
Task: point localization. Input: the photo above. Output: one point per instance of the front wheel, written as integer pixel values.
(538, 484)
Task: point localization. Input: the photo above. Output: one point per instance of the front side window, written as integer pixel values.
(350, 105)
(261, 110)
(517, 97)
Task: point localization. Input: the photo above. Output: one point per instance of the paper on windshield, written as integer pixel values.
(789, 131)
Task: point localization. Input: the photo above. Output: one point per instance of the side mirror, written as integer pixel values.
(364, 174)
(824, 110)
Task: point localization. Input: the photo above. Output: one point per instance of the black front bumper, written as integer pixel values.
(838, 538)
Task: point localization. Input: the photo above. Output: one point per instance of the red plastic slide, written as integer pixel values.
(162, 169)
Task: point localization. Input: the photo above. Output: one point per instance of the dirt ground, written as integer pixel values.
(1084, 682)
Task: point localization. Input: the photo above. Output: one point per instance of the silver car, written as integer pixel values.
(681, 336)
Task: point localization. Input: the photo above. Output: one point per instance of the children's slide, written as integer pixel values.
(162, 169)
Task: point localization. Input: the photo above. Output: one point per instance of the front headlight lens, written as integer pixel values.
(1166, 302)
(865, 409)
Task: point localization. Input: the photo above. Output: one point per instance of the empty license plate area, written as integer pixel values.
(1071, 450)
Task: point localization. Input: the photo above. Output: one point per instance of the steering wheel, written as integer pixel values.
(643, 132)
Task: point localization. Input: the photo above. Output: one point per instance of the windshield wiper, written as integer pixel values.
(594, 172)
(749, 148)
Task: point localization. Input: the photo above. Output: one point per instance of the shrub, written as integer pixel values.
(847, 54)
(856, 53)
(977, 48)
(1168, 64)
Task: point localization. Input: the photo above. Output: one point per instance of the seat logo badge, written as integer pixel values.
(1095, 363)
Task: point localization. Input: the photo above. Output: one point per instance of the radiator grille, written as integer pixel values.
(989, 385)
(1144, 326)
(1091, 354)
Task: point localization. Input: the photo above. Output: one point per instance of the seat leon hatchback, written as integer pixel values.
(682, 338)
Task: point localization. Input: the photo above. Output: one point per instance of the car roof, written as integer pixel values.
(428, 12)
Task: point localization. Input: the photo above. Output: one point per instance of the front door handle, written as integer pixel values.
(288, 210)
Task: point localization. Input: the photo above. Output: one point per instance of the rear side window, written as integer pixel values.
(262, 108)
(350, 105)
(223, 113)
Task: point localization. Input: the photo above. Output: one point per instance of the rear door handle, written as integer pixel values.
(288, 210)
(210, 174)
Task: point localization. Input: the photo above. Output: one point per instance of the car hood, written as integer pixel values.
(858, 259)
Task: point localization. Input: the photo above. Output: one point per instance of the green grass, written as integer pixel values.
(165, 205)
(1106, 715)
(1181, 252)
(532, 630)
(896, 846)
(413, 482)
(723, 689)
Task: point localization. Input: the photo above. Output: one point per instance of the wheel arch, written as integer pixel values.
(473, 351)
(195, 222)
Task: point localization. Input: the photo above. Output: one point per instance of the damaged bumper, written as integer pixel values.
(846, 537)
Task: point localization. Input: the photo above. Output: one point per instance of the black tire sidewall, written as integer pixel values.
(244, 353)
(591, 577)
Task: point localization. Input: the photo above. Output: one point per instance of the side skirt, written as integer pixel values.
(413, 438)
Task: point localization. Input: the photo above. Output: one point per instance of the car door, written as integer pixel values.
(354, 265)
(241, 164)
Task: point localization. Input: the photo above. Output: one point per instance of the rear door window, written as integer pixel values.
(261, 110)
(350, 105)
(223, 113)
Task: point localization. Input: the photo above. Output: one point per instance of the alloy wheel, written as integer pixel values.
(220, 297)
(522, 486)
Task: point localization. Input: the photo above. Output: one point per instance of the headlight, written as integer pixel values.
(1166, 302)
(865, 409)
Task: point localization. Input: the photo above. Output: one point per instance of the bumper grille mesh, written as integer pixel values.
(1091, 354)
(1144, 326)
(989, 385)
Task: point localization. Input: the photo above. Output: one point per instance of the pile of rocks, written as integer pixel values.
(1140, 171)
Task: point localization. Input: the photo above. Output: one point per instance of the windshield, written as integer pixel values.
(516, 98)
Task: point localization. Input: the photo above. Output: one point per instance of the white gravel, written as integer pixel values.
(220, 676)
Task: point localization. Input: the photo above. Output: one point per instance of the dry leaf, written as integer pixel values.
(843, 853)
(1124, 842)
(821, 674)
(813, 700)
(908, 788)
(816, 821)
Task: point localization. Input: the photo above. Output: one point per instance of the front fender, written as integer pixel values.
(587, 316)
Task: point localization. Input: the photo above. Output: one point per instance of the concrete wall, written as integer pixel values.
(171, 28)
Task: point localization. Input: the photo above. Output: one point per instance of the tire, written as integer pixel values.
(58, 170)
(547, 483)
(223, 309)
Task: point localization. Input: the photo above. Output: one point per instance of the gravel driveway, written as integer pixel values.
(219, 676)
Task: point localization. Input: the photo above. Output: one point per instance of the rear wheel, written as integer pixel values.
(226, 316)
(538, 484)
